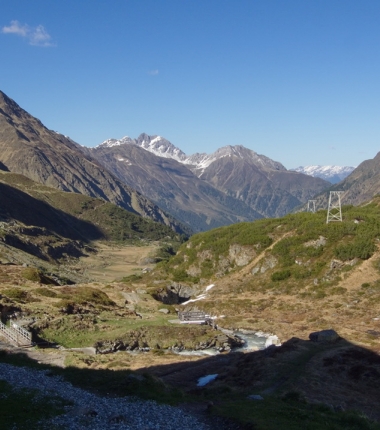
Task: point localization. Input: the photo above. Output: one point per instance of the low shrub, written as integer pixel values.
(281, 275)
(35, 275)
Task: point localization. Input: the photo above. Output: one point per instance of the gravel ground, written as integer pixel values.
(90, 411)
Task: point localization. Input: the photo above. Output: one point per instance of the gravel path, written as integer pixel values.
(90, 411)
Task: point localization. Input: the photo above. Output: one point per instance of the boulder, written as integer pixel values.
(324, 336)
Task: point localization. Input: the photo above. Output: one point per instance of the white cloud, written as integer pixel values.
(37, 36)
(16, 28)
(153, 72)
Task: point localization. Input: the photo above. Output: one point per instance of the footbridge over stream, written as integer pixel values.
(194, 317)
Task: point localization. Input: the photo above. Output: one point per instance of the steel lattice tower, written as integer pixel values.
(311, 206)
(334, 211)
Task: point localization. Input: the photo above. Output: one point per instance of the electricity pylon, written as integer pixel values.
(334, 211)
(311, 206)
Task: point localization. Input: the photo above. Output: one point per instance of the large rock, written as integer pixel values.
(241, 255)
(324, 336)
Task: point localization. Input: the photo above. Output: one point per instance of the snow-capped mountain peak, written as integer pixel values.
(156, 144)
(332, 174)
(198, 162)
(109, 143)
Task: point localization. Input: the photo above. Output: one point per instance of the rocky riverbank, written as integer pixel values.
(139, 341)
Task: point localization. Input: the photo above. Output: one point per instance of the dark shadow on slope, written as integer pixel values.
(3, 167)
(19, 206)
(303, 383)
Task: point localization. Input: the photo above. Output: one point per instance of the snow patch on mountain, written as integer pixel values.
(333, 174)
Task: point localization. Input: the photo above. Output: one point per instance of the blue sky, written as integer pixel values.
(295, 80)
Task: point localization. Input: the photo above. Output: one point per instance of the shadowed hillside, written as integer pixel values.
(27, 147)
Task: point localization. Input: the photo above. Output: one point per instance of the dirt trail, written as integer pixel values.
(49, 356)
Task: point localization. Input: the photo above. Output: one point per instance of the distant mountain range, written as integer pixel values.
(206, 190)
(332, 174)
(151, 177)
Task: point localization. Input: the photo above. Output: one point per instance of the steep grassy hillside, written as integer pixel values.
(72, 215)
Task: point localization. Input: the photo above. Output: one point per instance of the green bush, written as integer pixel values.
(361, 248)
(281, 275)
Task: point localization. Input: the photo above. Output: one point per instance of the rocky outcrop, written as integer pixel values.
(269, 262)
(175, 293)
(241, 255)
(220, 342)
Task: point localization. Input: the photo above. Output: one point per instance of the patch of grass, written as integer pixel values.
(35, 275)
(46, 292)
(82, 295)
(19, 295)
(131, 278)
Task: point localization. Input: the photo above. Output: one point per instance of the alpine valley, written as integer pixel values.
(99, 263)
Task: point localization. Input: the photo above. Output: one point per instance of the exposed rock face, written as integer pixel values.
(267, 263)
(29, 148)
(241, 255)
(136, 342)
(175, 294)
(316, 243)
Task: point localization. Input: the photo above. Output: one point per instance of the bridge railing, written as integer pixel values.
(16, 334)
(198, 317)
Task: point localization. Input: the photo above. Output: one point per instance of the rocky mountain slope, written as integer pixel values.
(172, 186)
(234, 183)
(265, 185)
(332, 174)
(360, 186)
(29, 148)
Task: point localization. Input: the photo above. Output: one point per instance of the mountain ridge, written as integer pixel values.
(333, 174)
(29, 148)
(240, 174)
